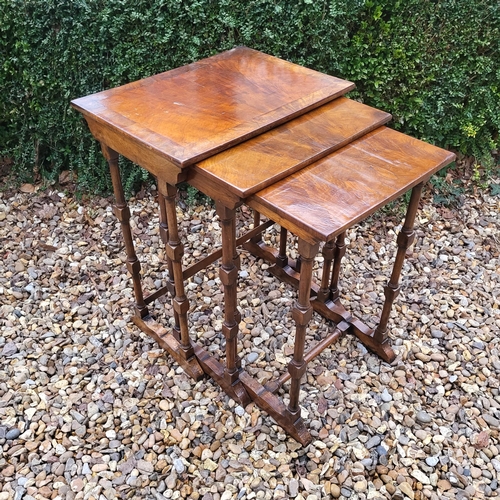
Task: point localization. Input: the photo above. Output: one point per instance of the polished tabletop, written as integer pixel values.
(193, 112)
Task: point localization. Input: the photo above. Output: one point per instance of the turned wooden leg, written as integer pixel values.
(164, 237)
(228, 276)
(175, 251)
(122, 212)
(337, 260)
(302, 313)
(405, 239)
(282, 259)
(327, 252)
(256, 223)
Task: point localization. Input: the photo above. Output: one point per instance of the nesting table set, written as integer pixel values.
(247, 128)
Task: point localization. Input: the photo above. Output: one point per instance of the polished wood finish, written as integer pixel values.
(331, 195)
(175, 251)
(169, 342)
(191, 113)
(245, 127)
(405, 240)
(287, 148)
(228, 273)
(122, 213)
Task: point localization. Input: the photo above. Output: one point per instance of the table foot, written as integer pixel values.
(366, 336)
(272, 404)
(169, 343)
(216, 370)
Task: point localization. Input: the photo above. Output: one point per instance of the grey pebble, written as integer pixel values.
(432, 461)
(252, 357)
(9, 349)
(490, 420)
(239, 410)
(381, 450)
(179, 466)
(346, 492)
(372, 442)
(293, 488)
(423, 417)
(385, 396)
(13, 434)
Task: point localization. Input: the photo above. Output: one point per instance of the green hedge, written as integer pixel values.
(433, 64)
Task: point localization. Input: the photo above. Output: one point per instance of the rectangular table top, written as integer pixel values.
(329, 196)
(273, 155)
(193, 112)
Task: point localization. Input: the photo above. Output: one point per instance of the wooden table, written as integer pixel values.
(245, 127)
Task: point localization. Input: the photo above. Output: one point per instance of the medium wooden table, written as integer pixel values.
(245, 127)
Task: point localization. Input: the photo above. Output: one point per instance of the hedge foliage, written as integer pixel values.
(434, 64)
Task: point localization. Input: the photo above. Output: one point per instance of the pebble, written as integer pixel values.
(432, 461)
(423, 417)
(490, 420)
(293, 488)
(12, 434)
(92, 405)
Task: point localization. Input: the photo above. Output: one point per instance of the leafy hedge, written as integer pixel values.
(434, 64)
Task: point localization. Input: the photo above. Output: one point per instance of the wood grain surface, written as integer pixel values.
(264, 160)
(190, 113)
(324, 199)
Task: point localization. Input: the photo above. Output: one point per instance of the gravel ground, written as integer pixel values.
(91, 408)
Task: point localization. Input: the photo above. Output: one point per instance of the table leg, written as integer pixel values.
(228, 275)
(256, 223)
(289, 417)
(165, 238)
(302, 313)
(404, 240)
(175, 251)
(337, 260)
(282, 258)
(122, 213)
(328, 253)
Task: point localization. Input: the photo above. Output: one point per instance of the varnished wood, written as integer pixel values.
(245, 127)
(286, 149)
(228, 273)
(301, 314)
(175, 251)
(191, 113)
(339, 253)
(333, 336)
(218, 372)
(168, 342)
(122, 213)
(347, 186)
(405, 239)
(162, 202)
(275, 407)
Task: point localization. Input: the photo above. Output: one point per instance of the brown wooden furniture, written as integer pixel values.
(245, 127)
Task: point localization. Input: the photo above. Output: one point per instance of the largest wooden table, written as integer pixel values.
(245, 127)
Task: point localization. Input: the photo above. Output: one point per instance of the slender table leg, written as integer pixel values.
(122, 213)
(405, 239)
(337, 260)
(289, 417)
(328, 253)
(175, 251)
(256, 223)
(302, 313)
(282, 259)
(165, 239)
(229, 274)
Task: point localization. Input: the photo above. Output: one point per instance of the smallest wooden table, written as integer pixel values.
(245, 127)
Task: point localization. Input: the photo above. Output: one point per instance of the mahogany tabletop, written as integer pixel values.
(329, 196)
(273, 155)
(193, 112)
